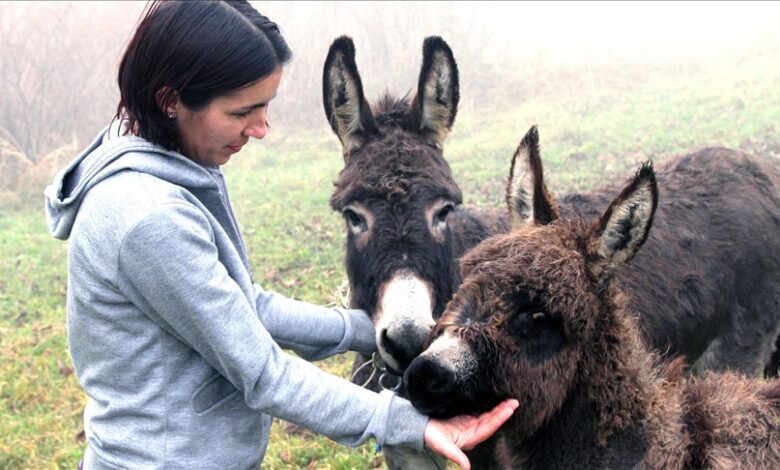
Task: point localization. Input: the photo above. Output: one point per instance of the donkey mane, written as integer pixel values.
(617, 374)
(392, 111)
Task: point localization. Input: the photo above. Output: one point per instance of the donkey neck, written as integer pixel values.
(568, 440)
(616, 370)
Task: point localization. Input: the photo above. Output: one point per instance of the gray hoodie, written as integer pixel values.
(176, 347)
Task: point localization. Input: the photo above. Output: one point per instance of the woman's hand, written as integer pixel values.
(449, 436)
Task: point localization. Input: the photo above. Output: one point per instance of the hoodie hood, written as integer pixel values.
(110, 153)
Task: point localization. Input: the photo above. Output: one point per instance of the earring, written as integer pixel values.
(171, 115)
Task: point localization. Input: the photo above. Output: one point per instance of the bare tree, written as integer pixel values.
(54, 65)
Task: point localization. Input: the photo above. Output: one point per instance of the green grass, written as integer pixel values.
(280, 189)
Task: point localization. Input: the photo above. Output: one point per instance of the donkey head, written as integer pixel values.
(534, 304)
(395, 193)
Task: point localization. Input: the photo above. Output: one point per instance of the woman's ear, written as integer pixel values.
(168, 101)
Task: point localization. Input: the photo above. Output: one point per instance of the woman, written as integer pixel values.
(177, 348)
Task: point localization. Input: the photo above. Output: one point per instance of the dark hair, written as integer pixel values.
(200, 50)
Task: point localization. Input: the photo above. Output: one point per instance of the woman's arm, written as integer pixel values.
(312, 331)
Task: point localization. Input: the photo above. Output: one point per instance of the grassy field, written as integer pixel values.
(280, 189)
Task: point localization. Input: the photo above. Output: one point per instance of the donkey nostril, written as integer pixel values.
(387, 343)
(428, 381)
(389, 346)
(404, 349)
(440, 382)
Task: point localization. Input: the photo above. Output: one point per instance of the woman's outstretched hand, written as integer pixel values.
(448, 437)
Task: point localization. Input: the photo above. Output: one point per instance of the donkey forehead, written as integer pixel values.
(485, 306)
(491, 312)
(397, 177)
(531, 252)
(510, 269)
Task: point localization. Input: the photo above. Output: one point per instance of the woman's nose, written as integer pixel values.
(257, 129)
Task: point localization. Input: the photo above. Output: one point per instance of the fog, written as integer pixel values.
(508, 50)
(58, 60)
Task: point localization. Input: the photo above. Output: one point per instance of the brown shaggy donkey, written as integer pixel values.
(539, 316)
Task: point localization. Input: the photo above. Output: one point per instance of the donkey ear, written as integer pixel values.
(527, 196)
(346, 108)
(625, 225)
(436, 104)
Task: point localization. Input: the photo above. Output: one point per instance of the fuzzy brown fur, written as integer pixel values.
(545, 325)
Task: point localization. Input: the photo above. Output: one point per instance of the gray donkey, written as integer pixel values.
(406, 227)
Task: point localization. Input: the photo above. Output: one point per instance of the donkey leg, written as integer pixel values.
(773, 368)
(749, 344)
(406, 458)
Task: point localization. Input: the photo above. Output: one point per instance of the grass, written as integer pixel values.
(280, 190)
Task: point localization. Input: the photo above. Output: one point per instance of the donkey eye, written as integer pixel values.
(528, 319)
(441, 215)
(356, 223)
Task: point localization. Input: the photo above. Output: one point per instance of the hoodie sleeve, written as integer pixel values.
(312, 331)
(170, 267)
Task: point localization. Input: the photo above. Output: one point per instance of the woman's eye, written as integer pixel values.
(242, 115)
(356, 222)
(441, 215)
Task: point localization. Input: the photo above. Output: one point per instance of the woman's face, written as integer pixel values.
(213, 134)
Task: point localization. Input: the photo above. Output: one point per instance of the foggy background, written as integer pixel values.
(58, 60)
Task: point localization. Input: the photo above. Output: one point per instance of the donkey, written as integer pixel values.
(406, 226)
(540, 316)
(707, 285)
